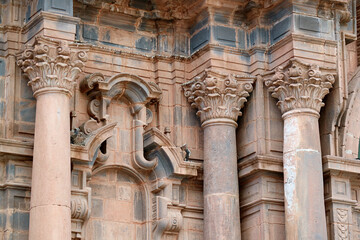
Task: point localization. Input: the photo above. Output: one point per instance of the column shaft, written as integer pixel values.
(50, 215)
(221, 188)
(303, 177)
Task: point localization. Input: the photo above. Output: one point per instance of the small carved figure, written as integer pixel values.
(187, 152)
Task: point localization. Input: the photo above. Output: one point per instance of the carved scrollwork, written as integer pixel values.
(51, 64)
(90, 81)
(340, 7)
(79, 208)
(299, 85)
(216, 95)
(175, 220)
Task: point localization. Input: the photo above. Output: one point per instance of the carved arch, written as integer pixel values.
(349, 131)
(131, 87)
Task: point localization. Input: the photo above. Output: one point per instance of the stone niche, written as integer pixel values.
(118, 206)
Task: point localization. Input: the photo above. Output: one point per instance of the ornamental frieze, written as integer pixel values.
(218, 95)
(51, 64)
(299, 85)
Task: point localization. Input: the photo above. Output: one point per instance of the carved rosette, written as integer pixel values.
(51, 65)
(300, 85)
(217, 95)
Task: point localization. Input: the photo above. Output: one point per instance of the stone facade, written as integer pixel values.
(179, 119)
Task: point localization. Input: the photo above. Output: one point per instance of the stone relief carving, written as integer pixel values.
(137, 91)
(51, 64)
(326, 7)
(342, 226)
(300, 85)
(79, 208)
(80, 203)
(166, 211)
(217, 95)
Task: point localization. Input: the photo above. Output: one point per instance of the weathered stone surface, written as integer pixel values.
(138, 44)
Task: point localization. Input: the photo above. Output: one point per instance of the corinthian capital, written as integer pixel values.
(300, 85)
(217, 95)
(51, 65)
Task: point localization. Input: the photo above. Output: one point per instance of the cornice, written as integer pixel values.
(260, 163)
(341, 165)
(43, 15)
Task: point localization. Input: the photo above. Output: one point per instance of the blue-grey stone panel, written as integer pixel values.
(241, 39)
(279, 30)
(199, 25)
(2, 67)
(181, 45)
(259, 36)
(21, 221)
(279, 12)
(313, 26)
(90, 32)
(2, 109)
(200, 39)
(139, 210)
(225, 36)
(2, 88)
(26, 91)
(146, 44)
(221, 18)
(27, 112)
(57, 6)
(309, 23)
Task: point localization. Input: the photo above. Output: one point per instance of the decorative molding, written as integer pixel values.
(51, 65)
(218, 95)
(166, 211)
(80, 204)
(299, 85)
(342, 226)
(340, 6)
(79, 208)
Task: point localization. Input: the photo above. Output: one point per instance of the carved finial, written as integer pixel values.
(51, 65)
(300, 85)
(217, 95)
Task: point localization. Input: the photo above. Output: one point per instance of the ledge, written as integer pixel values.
(345, 165)
(260, 163)
(25, 148)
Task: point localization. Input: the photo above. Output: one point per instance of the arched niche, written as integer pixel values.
(120, 205)
(349, 132)
(131, 89)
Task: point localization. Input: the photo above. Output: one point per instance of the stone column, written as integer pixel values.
(219, 99)
(300, 89)
(52, 69)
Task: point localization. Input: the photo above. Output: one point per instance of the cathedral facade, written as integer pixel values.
(179, 120)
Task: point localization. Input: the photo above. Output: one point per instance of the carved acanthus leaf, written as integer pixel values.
(51, 64)
(299, 85)
(218, 95)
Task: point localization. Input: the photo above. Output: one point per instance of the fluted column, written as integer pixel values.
(300, 89)
(52, 68)
(219, 99)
